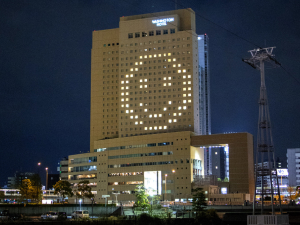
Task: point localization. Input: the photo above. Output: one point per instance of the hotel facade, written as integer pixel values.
(150, 111)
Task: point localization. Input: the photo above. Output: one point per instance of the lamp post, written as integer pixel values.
(46, 178)
(166, 186)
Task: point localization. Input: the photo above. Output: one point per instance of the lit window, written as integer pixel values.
(127, 105)
(131, 75)
(184, 71)
(160, 115)
(141, 122)
(189, 76)
(179, 71)
(184, 89)
(183, 77)
(136, 63)
(145, 56)
(122, 93)
(150, 128)
(145, 80)
(131, 69)
(122, 99)
(165, 84)
(189, 88)
(174, 120)
(169, 54)
(179, 107)
(122, 105)
(145, 50)
(189, 94)
(155, 128)
(165, 54)
(165, 109)
(150, 116)
(216, 167)
(189, 82)
(122, 88)
(141, 80)
(131, 117)
(127, 87)
(169, 84)
(131, 111)
(160, 127)
(184, 95)
(165, 78)
(145, 128)
(145, 86)
(136, 116)
(141, 63)
(154, 55)
(169, 60)
(127, 99)
(189, 101)
(141, 104)
(127, 93)
(184, 107)
(174, 114)
(159, 55)
(136, 123)
(141, 57)
(174, 65)
(155, 115)
(169, 78)
(165, 127)
(150, 56)
(136, 69)
(184, 101)
(145, 110)
(170, 120)
(127, 81)
(127, 75)
(122, 82)
(170, 102)
(174, 59)
(179, 114)
(127, 111)
(184, 83)
(179, 65)
(141, 86)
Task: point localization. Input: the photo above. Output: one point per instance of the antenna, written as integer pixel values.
(265, 159)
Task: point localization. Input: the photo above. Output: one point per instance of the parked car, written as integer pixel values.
(5, 215)
(62, 216)
(50, 215)
(80, 214)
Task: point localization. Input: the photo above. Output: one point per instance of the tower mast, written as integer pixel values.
(265, 159)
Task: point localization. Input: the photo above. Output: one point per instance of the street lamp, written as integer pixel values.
(166, 186)
(46, 178)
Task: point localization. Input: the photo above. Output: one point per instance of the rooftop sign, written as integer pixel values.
(282, 172)
(162, 22)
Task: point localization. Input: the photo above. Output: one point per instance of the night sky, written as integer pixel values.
(45, 49)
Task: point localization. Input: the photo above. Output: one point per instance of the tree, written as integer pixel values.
(141, 197)
(84, 190)
(26, 189)
(199, 202)
(63, 188)
(37, 187)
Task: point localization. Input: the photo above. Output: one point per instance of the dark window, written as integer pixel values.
(144, 34)
(158, 32)
(165, 31)
(151, 33)
(172, 31)
(130, 35)
(137, 34)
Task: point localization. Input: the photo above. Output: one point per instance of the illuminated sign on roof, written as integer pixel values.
(162, 22)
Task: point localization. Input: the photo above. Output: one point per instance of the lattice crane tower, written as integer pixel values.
(265, 160)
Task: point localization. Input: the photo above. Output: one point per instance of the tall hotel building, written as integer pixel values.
(149, 101)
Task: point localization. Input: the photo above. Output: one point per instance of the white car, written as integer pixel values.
(80, 214)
